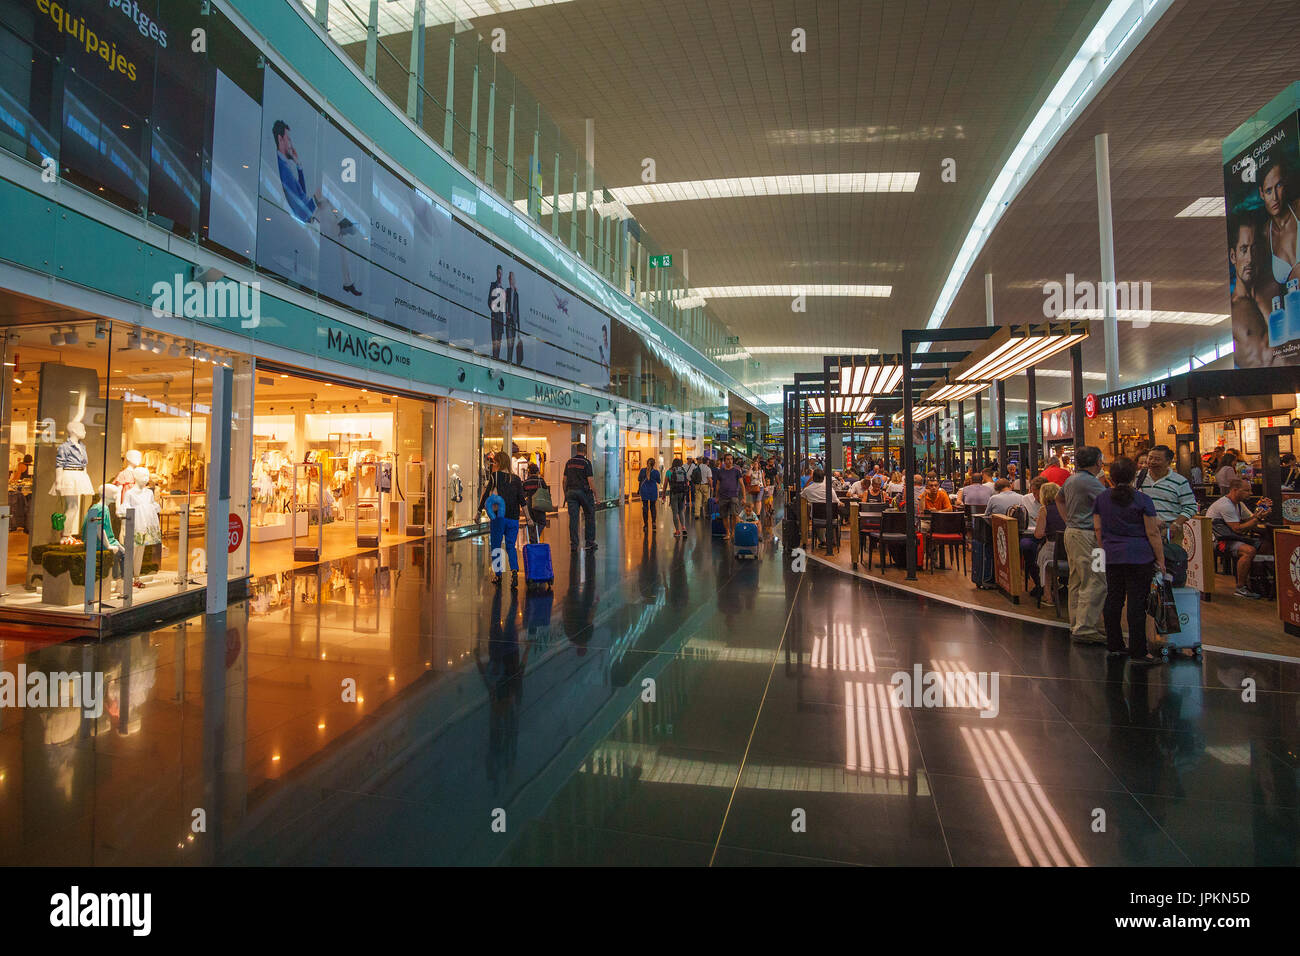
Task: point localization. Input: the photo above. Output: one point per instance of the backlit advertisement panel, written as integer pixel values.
(1262, 190)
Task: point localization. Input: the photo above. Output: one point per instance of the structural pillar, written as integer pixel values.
(1076, 395)
(1029, 468)
(372, 37)
(996, 388)
(449, 117)
(415, 67)
(1106, 227)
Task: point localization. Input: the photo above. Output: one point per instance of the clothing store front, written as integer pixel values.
(105, 422)
(548, 444)
(338, 469)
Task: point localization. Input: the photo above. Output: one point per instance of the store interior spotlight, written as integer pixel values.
(56, 337)
(70, 337)
(175, 350)
(101, 330)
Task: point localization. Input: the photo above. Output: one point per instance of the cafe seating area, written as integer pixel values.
(871, 542)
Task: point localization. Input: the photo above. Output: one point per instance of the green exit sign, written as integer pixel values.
(662, 262)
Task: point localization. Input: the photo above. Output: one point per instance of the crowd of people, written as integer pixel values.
(1120, 524)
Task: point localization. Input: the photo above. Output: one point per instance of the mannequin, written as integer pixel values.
(455, 491)
(71, 482)
(148, 531)
(99, 509)
(126, 477)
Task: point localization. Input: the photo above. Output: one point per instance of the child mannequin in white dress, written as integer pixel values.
(148, 530)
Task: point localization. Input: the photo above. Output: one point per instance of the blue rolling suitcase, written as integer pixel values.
(538, 571)
(1188, 638)
(711, 508)
(719, 527)
(746, 539)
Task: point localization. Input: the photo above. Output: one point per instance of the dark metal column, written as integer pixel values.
(979, 431)
(1030, 467)
(909, 461)
(961, 438)
(1076, 395)
(826, 444)
(1002, 430)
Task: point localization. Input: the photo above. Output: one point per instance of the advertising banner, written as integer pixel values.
(1262, 192)
(1198, 542)
(1006, 555)
(333, 220)
(1058, 424)
(1286, 545)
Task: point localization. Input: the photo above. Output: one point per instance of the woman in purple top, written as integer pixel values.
(1129, 534)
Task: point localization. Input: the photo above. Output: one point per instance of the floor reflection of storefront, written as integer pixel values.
(336, 463)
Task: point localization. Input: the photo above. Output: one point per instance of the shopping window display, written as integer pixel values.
(107, 425)
(337, 464)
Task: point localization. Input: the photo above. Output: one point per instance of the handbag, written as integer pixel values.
(1162, 607)
(542, 498)
(58, 520)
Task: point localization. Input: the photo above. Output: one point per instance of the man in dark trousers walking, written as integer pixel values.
(580, 494)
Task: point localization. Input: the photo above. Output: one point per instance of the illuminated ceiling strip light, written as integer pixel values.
(740, 187)
(748, 186)
(1205, 207)
(871, 378)
(396, 16)
(1151, 315)
(1119, 30)
(790, 291)
(841, 404)
(1012, 349)
(807, 350)
(693, 301)
(953, 392)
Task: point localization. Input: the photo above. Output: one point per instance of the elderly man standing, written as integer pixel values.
(1087, 566)
(1172, 493)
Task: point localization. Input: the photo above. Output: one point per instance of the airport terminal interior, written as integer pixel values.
(612, 433)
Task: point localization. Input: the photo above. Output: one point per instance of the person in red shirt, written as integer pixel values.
(1055, 473)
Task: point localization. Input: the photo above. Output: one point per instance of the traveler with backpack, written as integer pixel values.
(537, 506)
(702, 479)
(678, 487)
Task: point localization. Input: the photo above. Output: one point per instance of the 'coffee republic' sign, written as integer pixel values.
(1129, 397)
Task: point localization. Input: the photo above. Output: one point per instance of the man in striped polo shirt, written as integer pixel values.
(1170, 491)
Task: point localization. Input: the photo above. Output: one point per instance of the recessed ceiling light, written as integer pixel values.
(1205, 207)
(790, 291)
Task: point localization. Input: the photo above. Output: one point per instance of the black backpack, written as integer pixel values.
(677, 480)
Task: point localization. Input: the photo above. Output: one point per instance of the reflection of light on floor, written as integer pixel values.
(851, 647)
(651, 766)
(1032, 826)
(1234, 755)
(874, 741)
(960, 686)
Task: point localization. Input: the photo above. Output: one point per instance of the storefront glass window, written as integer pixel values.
(461, 469)
(102, 421)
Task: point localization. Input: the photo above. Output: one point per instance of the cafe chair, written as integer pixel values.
(947, 530)
(892, 530)
(826, 516)
(1058, 573)
(868, 520)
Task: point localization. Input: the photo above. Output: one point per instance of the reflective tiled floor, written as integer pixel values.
(667, 704)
